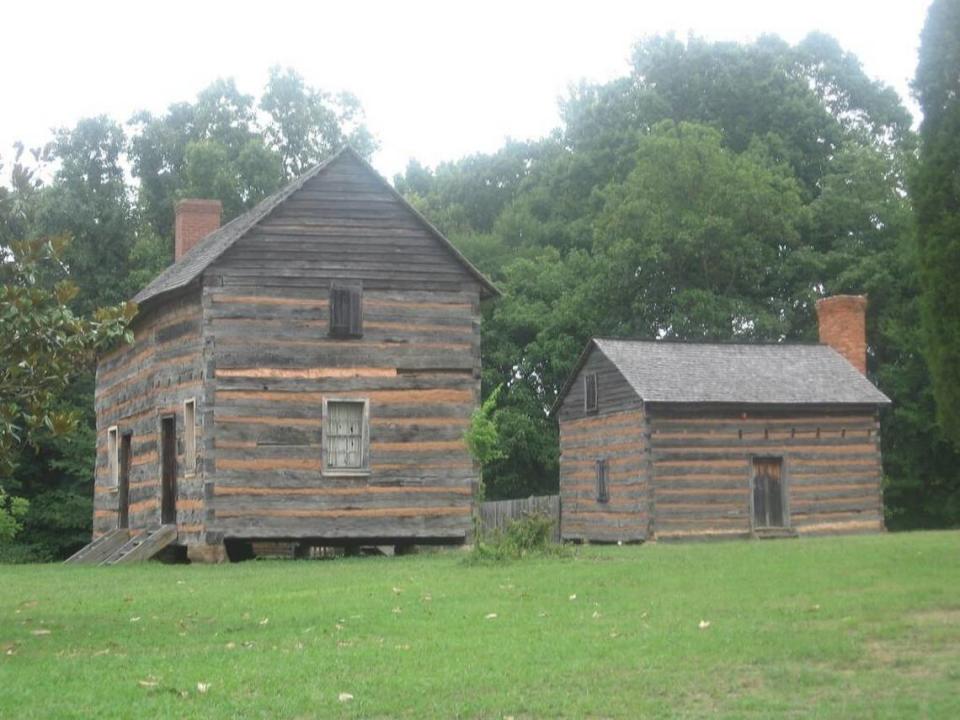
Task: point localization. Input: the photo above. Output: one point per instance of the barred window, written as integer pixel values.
(603, 490)
(345, 435)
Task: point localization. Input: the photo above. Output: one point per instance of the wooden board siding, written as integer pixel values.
(136, 385)
(620, 439)
(703, 463)
(272, 363)
(342, 226)
(614, 393)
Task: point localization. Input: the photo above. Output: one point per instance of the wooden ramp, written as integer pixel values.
(100, 549)
(143, 546)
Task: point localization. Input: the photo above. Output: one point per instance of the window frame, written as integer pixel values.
(603, 480)
(190, 455)
(113, 457)
(353, 291)
(325, 468)
(587, 408)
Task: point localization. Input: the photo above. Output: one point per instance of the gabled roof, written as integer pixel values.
(205, 252)
(776, 374)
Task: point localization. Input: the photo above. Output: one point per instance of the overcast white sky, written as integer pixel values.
(439, 80)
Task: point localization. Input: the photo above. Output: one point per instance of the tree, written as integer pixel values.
(43, 344)
(714, 192)
(936, 196)
(308, 125)
(220, 147)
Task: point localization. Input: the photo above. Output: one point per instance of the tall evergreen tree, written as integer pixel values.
(936, 197)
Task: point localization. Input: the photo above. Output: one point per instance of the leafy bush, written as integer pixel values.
(532, 534)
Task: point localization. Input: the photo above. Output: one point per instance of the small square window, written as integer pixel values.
(590, 392)
(603, 490)
(346, 436)
(346, 311)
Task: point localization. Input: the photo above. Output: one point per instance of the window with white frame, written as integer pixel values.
(346, 436)
(113, 457)
(190, 436)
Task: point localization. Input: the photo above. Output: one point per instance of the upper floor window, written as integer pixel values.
(346, 311)
(590, 392)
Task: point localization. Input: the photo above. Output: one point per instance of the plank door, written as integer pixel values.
(168, 470)
(123, 484)
(768, 493)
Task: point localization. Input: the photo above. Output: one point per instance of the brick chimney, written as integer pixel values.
(843, 327)
(195, 219)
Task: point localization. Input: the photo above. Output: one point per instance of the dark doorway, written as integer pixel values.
(168, 470)
(123, 484)
(768, 494)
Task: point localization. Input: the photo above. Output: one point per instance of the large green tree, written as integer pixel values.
(221, 147)
(936, 196)
(43, 346)
(714, 192)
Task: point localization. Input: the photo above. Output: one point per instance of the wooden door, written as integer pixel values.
(768, 495)
(168, 470)
(123, 486)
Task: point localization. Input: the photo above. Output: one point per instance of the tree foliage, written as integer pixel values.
(715, 192)
(43, 346)
(224, 144)
(936, 193)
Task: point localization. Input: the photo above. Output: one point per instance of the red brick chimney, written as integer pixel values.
(195, 219)
(843, 327)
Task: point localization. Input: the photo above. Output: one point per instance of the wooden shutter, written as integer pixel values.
(603, 491)
(346, 311)
(590, 392)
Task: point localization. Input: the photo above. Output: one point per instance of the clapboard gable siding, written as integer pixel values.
(342, 225)
(614, 393)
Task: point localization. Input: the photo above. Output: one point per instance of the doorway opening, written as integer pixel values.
(123, 484)
(168, 470)
(768, 493)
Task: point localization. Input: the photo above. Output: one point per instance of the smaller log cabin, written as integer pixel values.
(303, 373)
(670, 440)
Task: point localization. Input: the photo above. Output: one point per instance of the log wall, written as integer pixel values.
(703, 466)
(620, 439)
(136, 385)
(271, 363)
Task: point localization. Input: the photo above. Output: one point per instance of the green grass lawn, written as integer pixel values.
(838, 627)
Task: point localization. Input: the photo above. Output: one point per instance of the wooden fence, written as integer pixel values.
(498, 513)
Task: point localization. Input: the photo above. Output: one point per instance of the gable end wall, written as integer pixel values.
(615, 433)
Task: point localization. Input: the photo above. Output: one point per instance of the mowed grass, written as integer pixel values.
(837, 627)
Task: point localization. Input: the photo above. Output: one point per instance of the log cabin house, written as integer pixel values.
(664, 440)
(304, 373)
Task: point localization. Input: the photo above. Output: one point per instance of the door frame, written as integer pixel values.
(168, 491)
(784, 489)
